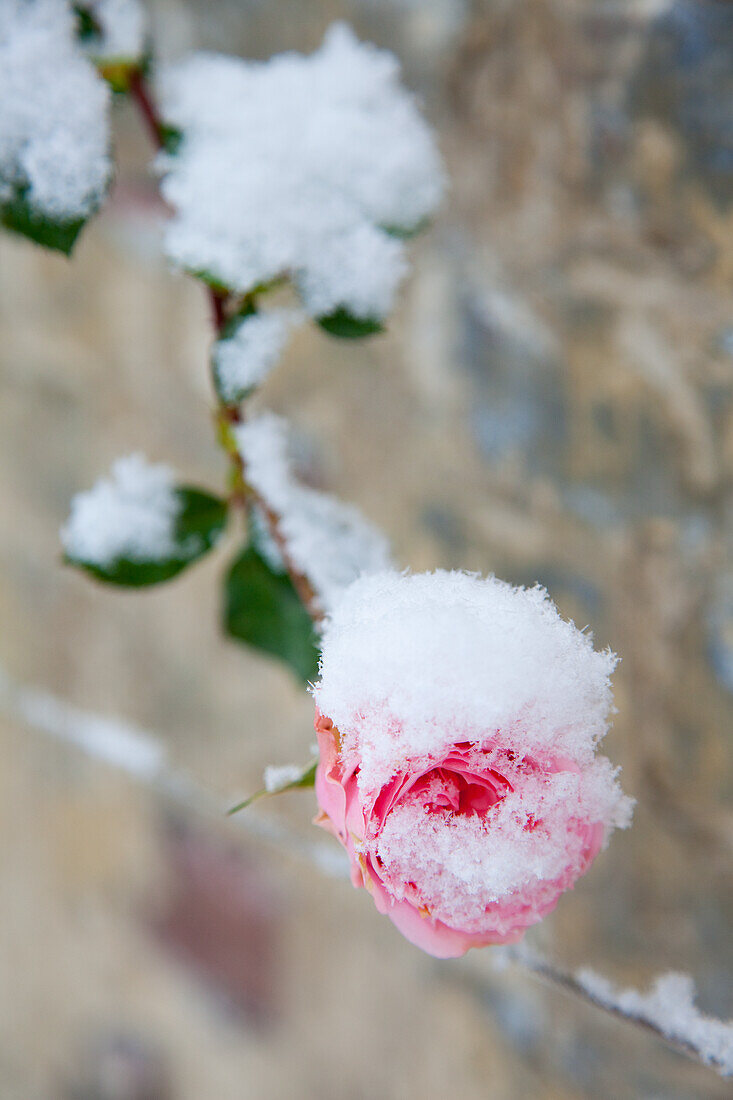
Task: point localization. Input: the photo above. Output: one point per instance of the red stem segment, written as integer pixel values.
(144, 100)
(218, 308)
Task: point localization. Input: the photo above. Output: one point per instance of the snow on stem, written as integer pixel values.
(142, 756)
(667, 1010)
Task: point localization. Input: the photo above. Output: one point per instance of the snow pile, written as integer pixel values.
(328, 542)
(299, 166)
(244, 359)
(413, 664)
(121, 29)
(130, 515)
(669, 1006)
(54, 135)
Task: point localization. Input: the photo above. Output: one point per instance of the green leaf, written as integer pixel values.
(405, 232)
(198, 528)
(117, 71)
(171, 137)
(18, 215)
(265, 288)
(263, 610)
(213, 281)
(87, 27)
(307, 778)
(345, 325)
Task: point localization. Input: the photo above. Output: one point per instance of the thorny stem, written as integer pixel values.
(170, 785)
(227, 414)
(232, 414)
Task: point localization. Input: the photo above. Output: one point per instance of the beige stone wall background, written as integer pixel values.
(553, 401)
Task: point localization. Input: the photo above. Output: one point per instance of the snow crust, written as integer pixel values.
(413, 663)
(243, 360)
(54, 131)
(327, 541)
(132, 515)
(670, 1006)
(311, 160)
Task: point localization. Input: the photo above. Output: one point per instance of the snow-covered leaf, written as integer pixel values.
(113, 33)
(195, 525)
(306, 158)
(18, 215)
(55, 165)
(277, 779)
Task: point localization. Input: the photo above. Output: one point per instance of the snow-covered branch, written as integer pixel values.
(667, 1011)
(143, 757)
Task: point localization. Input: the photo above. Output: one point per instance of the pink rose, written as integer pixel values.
(466, 822)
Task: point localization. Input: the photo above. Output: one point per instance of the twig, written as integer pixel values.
(715, 1050)
(143, 757)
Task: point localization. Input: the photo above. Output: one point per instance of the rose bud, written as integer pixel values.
(457, 721)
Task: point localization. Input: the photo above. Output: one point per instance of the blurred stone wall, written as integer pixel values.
(553, 401)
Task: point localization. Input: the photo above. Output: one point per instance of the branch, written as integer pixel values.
(221, 304)
(667, 1011)
(143, 757)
